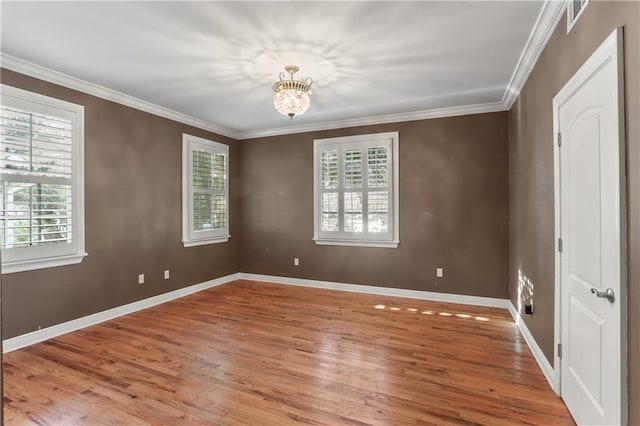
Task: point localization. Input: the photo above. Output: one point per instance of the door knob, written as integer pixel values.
(607, 294)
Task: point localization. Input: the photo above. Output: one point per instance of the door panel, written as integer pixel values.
(583, 186)
(585, 331)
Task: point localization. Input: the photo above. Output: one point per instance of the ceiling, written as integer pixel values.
(214, 62)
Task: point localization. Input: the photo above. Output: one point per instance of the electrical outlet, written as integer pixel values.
(296, 261)
(166, 274)
(439, 272)
(140, 278)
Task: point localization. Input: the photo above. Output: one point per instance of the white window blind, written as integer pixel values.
(205, 191)
(41, 211)
(36, 179)
(356, 190)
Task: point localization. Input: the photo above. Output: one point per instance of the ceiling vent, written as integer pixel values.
(574, 11)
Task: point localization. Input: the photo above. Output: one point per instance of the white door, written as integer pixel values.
(591, 224)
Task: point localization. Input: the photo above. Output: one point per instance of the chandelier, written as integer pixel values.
(292, 96)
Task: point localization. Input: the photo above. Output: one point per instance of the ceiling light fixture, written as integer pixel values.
(292, 96)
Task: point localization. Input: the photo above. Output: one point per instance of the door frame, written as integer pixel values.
(610, 50)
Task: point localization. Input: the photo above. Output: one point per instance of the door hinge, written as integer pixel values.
(560, 245)
(560, 350)
(559, 139)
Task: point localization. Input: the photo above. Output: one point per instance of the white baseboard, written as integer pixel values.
(56, 330)
(543, 363)
(59, 329)
(383, 291)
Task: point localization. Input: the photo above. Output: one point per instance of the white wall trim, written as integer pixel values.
(546, 22)
(37, 336)
(543, 363)
(73, 250)
(66, 327)
(550, 14)
(382, 291)
(28, 339)
(33, 70)
(379, 119)
(191, 236)
(389, 141)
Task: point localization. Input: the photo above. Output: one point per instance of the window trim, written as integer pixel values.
(341, 239)
(189, 237)
(47, 256)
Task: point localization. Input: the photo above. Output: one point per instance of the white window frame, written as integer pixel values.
(191, 237)
(21, 259)
(571, 20)
(365, 238)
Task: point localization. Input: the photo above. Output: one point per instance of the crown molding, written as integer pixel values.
(548, 18)
(33, 70)
(550, 14)
(378, 119)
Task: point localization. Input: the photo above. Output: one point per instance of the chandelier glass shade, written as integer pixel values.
(291, 96)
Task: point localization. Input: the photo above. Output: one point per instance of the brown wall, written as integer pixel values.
(465, 204)
(133, 219)
(453, 209)
(531, 170)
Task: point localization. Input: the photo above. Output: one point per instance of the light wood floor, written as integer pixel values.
(264, 354)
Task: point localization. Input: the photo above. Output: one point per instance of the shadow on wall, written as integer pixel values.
(525, 292)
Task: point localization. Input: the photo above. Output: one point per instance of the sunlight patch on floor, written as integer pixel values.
(431, 312)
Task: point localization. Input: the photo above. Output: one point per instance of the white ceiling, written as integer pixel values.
(216, 61)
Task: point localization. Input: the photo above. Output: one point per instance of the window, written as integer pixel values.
(356, 190)
(205, 191)
(42, 189)
(574, 11)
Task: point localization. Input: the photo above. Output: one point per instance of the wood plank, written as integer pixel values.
(250, 353)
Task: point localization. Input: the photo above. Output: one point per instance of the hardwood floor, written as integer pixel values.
(250, 353)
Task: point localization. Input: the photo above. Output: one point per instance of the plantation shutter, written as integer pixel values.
(355, 201)
(36, 163)
(329, 189)
(205, 184)
(353, 189)
(378, 190)
(209, 191)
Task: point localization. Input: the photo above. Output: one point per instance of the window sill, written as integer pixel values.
(42, 263)
(216, 240)
(355, 243)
